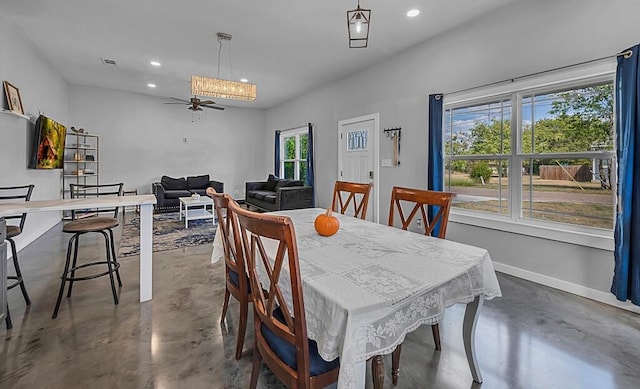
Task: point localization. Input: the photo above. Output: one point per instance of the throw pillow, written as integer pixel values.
(272, 182)
(197, 182)
(170, 183)
(284, 183)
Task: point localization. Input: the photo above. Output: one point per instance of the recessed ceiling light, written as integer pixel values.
(413, 13)
(151, 85)
(155, 63)
(244, 80)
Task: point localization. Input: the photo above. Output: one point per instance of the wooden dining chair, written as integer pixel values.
(237, 282)
(358, 195)
(420, 200)
(280, 330)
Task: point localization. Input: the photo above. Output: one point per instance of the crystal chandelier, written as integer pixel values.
(224, 89)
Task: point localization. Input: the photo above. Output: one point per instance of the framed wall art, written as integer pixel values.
(13, 98)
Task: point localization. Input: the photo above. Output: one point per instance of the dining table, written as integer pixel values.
(366, 287)
(145, 202)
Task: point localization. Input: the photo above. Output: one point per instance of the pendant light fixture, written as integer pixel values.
(224, 89)
(358, 26)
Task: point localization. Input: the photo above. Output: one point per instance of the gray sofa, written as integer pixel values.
(277, 194)
(169, 189)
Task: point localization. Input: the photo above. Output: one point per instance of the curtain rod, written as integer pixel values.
(294, 128)
(626, 54)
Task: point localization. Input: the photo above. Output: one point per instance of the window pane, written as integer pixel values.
(289, 168)
(303, 146)
(568, 191)
(480, 185)
(478, 129)
(303, 171)
(290, 148)
(357, 140)
(571, 120)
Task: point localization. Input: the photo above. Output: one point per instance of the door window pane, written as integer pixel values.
(357, 140)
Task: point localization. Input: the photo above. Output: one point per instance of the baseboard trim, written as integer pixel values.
(582, 291)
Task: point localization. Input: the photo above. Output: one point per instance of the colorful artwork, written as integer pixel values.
(51, 135)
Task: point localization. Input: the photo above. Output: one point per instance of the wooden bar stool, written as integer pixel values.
(16, 193)
(86, 222)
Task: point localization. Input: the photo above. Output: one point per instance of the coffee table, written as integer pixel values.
(195, 209)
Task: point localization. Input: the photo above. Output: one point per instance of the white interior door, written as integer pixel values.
(358, 156)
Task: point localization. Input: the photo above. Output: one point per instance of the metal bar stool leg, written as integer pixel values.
(7, 319)
(110, 266)
(16, 265)
(64, 276)
(115, 259)
(73, 265)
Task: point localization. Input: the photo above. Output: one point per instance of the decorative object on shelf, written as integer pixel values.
(78, 130)
(358, 26)
(217, 87)
(13, 98)
(89, 158)
(326, 224)
(394, 135)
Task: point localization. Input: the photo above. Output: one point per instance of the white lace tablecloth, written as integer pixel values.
(369, 285)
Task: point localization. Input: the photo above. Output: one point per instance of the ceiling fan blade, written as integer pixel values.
(213, 107)
(168, 102)
(183, 100)
(207, 102)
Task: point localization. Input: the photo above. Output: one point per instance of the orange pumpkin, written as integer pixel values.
(326, 224)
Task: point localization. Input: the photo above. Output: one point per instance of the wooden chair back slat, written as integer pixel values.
(358, 195)
(422, 200)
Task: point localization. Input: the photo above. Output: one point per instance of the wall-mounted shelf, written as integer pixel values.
(18, 115)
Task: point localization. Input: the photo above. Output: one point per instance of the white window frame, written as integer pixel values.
(576, 76)
(296, 132)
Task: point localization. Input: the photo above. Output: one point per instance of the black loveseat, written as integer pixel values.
(169, 189)
(278, 194)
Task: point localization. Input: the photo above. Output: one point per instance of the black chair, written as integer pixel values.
(13, 194)
(87, 221)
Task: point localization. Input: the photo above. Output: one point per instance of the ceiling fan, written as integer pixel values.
(196, 104)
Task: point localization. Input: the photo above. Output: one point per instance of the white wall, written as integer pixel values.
(41, 89)
(520, 39)
(141, 139)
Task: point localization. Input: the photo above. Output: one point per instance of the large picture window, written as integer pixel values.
(535, 155)
(293, 158)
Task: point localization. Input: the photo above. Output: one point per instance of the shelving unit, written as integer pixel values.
(81, 162)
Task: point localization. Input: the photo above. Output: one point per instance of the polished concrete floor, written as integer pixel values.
(533, 337)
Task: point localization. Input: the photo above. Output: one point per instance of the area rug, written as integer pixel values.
(168, 234)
